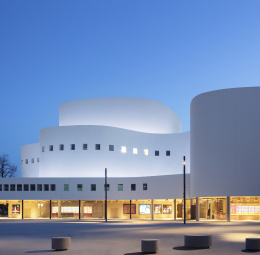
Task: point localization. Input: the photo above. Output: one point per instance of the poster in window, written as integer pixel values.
(126, 209)
(157, 209)
(15, 209)
(144, 209)
(167, 209)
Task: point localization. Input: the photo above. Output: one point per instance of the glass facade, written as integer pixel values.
(11, 209)
(36, 209)
(65, 209)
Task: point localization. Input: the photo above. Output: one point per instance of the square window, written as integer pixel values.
(156, 153)
(111, 147)
(123, 149)
(1, 188)
(61, 147)
(133, 187)
(12, 187)
(85, 146)
(32, 160)
(146, 152)
(46, 187)
(26, 161)
(38, 160)
(97, 147)
(51, 148)
(144, 186)
(21, 162)
(108, 187)
(26, 187)
(168, 153)
(120, 187)
(79, 187)
(6, 187)
(43, 149)
(39, 187)
(53, 187)
(134, 150)
(66, 187)
(93, 187)
(32, 187)
(19, 187)
(72, 147)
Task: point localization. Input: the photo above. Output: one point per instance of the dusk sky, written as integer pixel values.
(53, 51)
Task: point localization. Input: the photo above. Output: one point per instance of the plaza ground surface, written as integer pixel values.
(121, 237)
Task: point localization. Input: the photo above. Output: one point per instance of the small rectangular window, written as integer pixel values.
(93, 187)
(6, 187)
(43, 149)
(46, 187)
(134, 150)
(32, 160)
(79, 187)
(97, 147)
(144, 186)
(51, 148)
(53, 187)
(156, 153)
(146, 152)
(38, 160)
(108, 187)
(32, 187)
(168, 153)
(123, 149)
(120, 187)
(39, 187)
(85, 147)
(26, 161)
(26, 187)
(19, 187)
(12, 187)
(72, 147)
(66, 187)
(1, 188)
(133, 187)
(111, 147)
(21, 162)
(61, 147)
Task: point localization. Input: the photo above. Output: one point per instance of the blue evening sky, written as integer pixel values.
(53, 51)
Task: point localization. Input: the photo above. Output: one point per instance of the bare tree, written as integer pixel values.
(7, 169)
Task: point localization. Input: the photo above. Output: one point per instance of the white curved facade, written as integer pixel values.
(225, 143)
(135, 137)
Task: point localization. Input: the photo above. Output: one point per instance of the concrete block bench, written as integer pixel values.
(150, 245)
(253, 244)
(60, 243)
(197, 241)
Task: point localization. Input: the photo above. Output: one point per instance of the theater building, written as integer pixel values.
(141, 144)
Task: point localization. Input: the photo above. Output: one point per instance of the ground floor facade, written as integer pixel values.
(200, 208)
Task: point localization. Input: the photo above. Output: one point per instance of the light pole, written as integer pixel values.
(184, 189)
(106, 194)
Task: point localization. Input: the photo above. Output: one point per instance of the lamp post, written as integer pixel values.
(184, 189)
(106, 194)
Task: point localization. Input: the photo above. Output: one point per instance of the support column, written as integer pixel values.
(22, 209)
(50, 209)
(130, 209)
(228, 208)
(197, 208)
(175, 209)
(59, 209)
(152, 209)
(79, 209)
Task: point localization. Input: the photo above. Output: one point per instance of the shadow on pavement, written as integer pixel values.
(40, 251)
(184, 248)
(135, 253)
(249, 251)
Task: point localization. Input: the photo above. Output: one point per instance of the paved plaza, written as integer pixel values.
(121, 237)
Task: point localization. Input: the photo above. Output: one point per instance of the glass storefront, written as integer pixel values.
(36, 209)
(245, 208)
(90, 209)
(213, 208)
(65, 209)
(163, 208)
(11, 209)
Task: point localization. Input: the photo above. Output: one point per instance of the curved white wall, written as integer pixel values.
(225, 143)
(136, 114)
(91, 162)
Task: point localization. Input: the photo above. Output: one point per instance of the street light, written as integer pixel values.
(184, 189)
